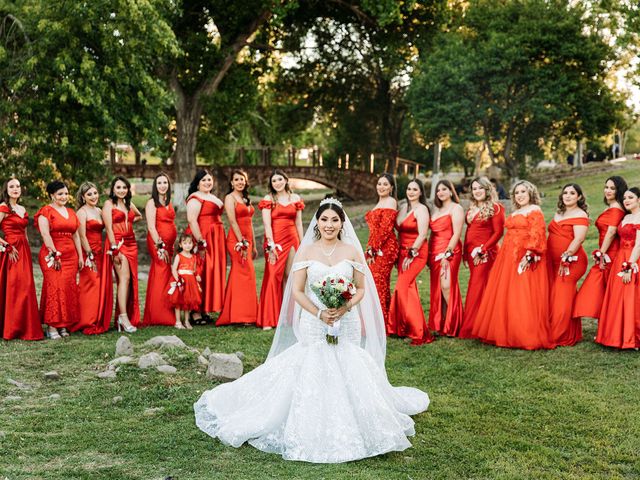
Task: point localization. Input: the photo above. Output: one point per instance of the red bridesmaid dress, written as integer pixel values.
(189, 296)
(449, 322)
(406, 316)
(382, 239)
(565, 329)
(214, 266)
(514, 311)
(241, 298)
(59, 305)
(485, 234)
(589, 299)
(157, 307)
(90, 280)
(619, 324)
(124, 236)
(285, 234)
(19, 316)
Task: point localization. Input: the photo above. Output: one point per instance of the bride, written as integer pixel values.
(313, 400)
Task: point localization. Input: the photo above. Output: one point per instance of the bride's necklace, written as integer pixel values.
(331, 252)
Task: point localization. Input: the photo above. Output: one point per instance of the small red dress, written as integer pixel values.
(382, 239)
(565, 329)
(589, 299)
(485, 234)
(241, 297)
(619, 324)
(214, 266)
(90, 280)
(285, 234)
(449, 322)
(406, 316)
(59, 300)
(514, 311)
(157, 307)
(19, 316)
(189, 296)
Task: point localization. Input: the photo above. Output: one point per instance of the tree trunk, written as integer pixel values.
(188, 115)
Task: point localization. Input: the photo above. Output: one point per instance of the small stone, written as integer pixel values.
(54, 396)
(166, 341)
(2, 435)
(124, 360)
(117, 399)
(124, 347)
(166, 369)
(107, 374)
(148, 412)
(12, 398)
(240, 355)
(224, 367)
(202, 360)
(20, 385)
(206, 352)
(152, 359)
(52, 375)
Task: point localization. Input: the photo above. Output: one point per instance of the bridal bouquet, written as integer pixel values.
(334, 291)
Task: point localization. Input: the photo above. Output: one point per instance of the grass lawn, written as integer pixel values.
(495, 413)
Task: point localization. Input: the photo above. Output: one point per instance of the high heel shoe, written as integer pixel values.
(63, 332)
(52, 333)
(127, 328)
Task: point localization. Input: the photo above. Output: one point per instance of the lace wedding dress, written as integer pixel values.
(315, 402)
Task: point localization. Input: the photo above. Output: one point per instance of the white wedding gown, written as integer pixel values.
(315, 402)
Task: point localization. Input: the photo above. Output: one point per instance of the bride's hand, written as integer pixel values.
(328, 316)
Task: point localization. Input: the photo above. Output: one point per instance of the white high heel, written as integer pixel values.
(121, 326)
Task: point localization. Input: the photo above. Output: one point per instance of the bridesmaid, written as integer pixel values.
(19, 317)
(589, 299)
(445, 255)
(241, 298)
(619, 324)
(382, 246)
(485, 225)
(60, 259)
(204, 211)
(566, 263)
(406, 317)
(161, 237)
(514, 311)
(282, 217)
(90, 232)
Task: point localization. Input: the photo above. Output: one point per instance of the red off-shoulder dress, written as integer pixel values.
(19, 316)
(241, 298)
(619, 324)
(449, 322)
(485, 234)
(157, 307)
(285, 234)
(514, 311)
(406, 316)
(382, 239)
(90, 280)
(565, 329)
(589, 299)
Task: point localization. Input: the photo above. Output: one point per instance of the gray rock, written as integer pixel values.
(149, 412)
(54, 396)
(124, 347)
(12, 398)
(224, 367)
(52, 375)
(167, 369)
(202, 360)
(152, 359)
(240, 355)
(20, 385)
(117, 399)
(107, 374)
(166, 341)
(124, 360)
(206, 352)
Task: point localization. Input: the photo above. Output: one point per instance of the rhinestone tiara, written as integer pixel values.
(332, 200)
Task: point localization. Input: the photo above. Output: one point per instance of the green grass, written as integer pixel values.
(568, 413)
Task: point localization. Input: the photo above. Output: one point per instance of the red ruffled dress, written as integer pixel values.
(449, 322)
(59, 300)
(565, 329)
(285, 234)
(514, 311)
(189, 296)
(90, 280)
(19, 316)
(241, 297)
(619, 324)
(382, 239)
(406, 316)
(589, 299)
(157, 307)
(485, 234)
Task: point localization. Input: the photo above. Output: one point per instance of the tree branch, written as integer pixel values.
(363, 17)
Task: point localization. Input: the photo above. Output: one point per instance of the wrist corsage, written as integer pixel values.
(412, 252)
(599, 257)
(242, 245)
(4, 247)
(114, 250)
(371, 253)
(161, 249)
(480, 253)
(565, 262)
(91, 258)
(53, 259)
(272, 247)
(628, 267)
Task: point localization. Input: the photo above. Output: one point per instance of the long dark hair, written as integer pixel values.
(454, 195)
(423, 196)
(154, 191)
(200, 174)
(392, 181)
(112, 194)
(277, 171)
(621, 187)
(329, 206)
(245, 190)
(5, 193)
(582, 202)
